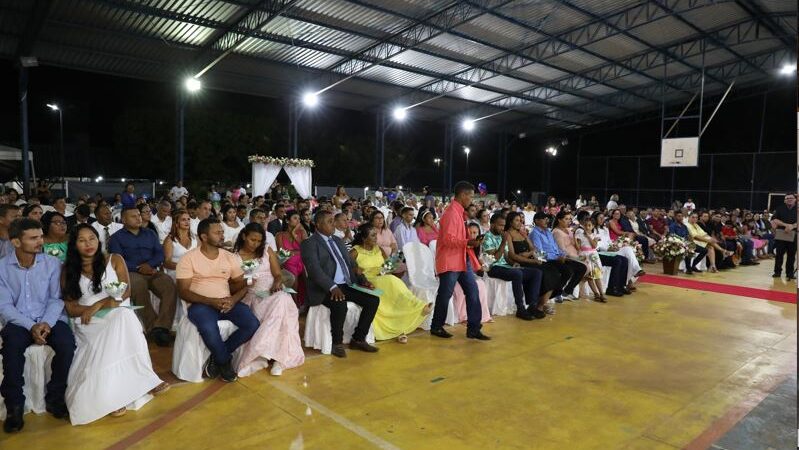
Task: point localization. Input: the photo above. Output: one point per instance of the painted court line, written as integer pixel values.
(339, 419)
(171, 415)
(707, 286)
(735, 414)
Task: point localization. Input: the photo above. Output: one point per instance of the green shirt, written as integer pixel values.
(491, 243)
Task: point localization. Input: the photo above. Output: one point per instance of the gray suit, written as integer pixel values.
(320, 265)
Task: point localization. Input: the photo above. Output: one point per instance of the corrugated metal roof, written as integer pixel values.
(396, 76)
(716, 15)
(137, 38)
(413, 58)
(663, 31)
(616, 47)
(317, 34)
(458, 46)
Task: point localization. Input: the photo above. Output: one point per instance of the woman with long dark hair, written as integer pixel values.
(230, 224)
(111, 371)
(278, 336)
(289, 240)
(147, 214)
(400, 312)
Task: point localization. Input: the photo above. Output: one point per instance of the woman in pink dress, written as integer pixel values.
(278, 337)
(426, 227)
(290, 239)
(385, 238)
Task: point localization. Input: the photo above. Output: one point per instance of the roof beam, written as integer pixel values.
(702, 32)
(477, 72)
(209, 23)
(738, 33)
(753, 8)
(227, 40)
(768, 60)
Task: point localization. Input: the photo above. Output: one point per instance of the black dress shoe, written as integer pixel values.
(524, 314)
(627, 291)
(776, 275)
(338, 351)
(477, 335)
(440, 332)
(14, 420)
(615, 293)
(161, 337)
(790, 277)
(210, 369)
(536, 313)
(363, 346)
(57, 409)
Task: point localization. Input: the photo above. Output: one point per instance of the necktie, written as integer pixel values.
(107, 237)
(340, 259)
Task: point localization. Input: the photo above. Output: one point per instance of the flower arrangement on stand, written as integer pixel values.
(673, 249)
(626, 241)
(281, 161)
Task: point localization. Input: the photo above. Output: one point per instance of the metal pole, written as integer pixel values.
(23, 106)
(294, 118)
(673, 173)
(450, 160)
(579, 150)
(444, 160)
(61, 140)
(702, 91)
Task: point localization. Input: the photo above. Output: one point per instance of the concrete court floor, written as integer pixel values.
(665, 368)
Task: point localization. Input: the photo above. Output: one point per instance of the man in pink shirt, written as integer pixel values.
(453, 265)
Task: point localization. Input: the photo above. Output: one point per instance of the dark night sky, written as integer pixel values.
(98, 128)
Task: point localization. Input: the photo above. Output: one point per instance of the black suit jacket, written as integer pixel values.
(275, 226)
(321, 267)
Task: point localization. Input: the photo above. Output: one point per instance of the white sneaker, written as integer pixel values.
(569, 298)
(276, 369)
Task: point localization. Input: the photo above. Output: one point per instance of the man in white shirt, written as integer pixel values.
(105, 226)
(203, 212)
(405, 232)
(178, 191)
(689, 205)
(162, 219)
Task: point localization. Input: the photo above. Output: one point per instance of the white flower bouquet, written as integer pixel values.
(115, 289)
(249, 267)
(626, 241)
(283, 254)
(388, 266)
(487, 259)
(54, 252)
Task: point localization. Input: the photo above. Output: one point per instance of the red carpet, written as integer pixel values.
(763, 294)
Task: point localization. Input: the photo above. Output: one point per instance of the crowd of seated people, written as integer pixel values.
(187, 260)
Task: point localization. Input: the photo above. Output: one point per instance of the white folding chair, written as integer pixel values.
(433, 245)
(500, 296)
(318, 330)
(423, 282)
(190, 353)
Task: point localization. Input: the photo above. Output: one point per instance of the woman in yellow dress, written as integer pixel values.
(400, 312)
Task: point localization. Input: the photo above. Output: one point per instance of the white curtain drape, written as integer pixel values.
(301, 179)
(263, 175)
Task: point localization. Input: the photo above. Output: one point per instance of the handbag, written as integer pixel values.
(785, 236)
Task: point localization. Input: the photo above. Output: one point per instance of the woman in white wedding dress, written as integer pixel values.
(111, 371)
(179, 241)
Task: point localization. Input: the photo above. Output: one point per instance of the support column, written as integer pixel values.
(638, 185)
(445, 160)
(293, 128)
(710, 183)
(23, 108)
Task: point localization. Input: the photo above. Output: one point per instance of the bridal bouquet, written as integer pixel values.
(388, 266)
(487, 259)
(249, 267)
(115, 289)
(283, 255)
(55, 252)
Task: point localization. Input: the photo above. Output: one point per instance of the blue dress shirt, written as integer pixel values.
(679, 229)
(33, 295)
(545, 241)
(137, 249)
